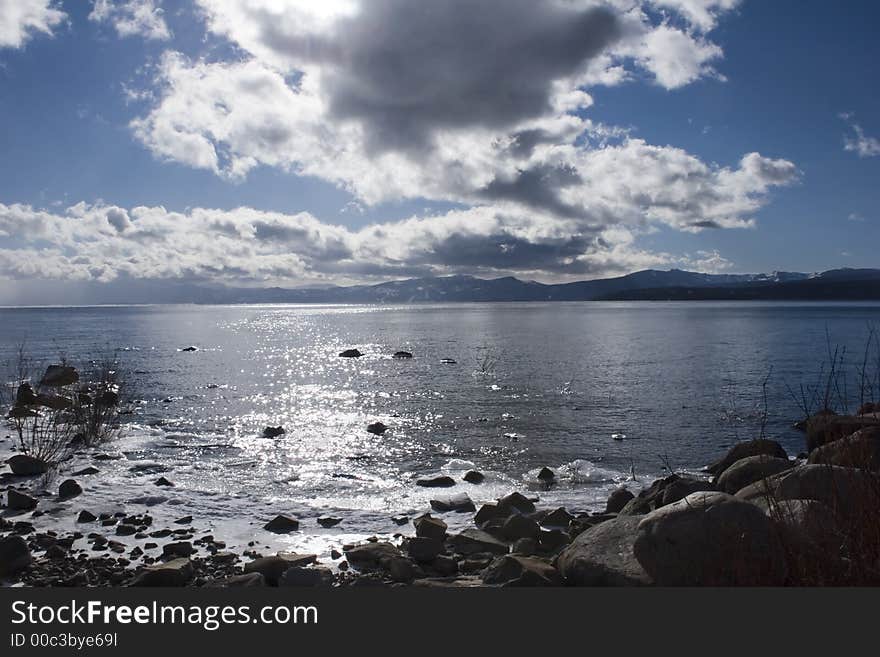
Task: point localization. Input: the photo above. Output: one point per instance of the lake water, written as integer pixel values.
(532, 385)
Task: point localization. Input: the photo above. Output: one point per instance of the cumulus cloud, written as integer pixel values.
(20, 20)
(701, 14)
(859, 142)
(132, 18)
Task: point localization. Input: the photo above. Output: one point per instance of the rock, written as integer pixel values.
(430, 527)
(517, 526)
(664, 491)
(247, 580)
(18, 501)
(54, 402)
(26, 466)
(486, 513)
(306, 577)
(400, 519)
(546, 475)
(350, 353)
(603, 556)
(618, 499)
(474, 541)
(328, 521)
(749, 470)
(445, 566)
(371, 555)
(682, 487)
(177, 572)
(823, 429)
(55, 552)
(124, 529)
(178, 549)
(282, 524)
(833, 485)
(519, 570)
(743, 450)
(424, 549)
(515, 502)
(273, 432)
(190, 348)
(553, 540)
(162, 481)
(25, 395)
(58, 376)
(436, 482)
(69, 489)
(14, 555)
(19, 412)
(859, 450)
(557, 518)
(86, 516)
(710, 539)
(107, 398)
(90, 470)
(376, 428)
(272, 568)
(185, 520)
(460, 503)
(402, 354)
(524, 546)
(474, 477)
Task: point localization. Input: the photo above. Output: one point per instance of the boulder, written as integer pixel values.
(603, 556)
(805, 524)
(750, 470)
(515, 502)
(430, 527)
(377, 428)
(58, 376)
(618, 499)
(651, 498)
(474, 477)
(86, 516)
(460, 503)
(518, 526)
(272, 568)
(162, 481)
(743, 450)
(553, 540)
(24, 465)
(486, 513)
(14, 555)
(350, 353)
(306, 577)
(474, 541)
(445, 566)
(557, 518)
(371, 555)
(282, 524)
(823, 429)
(68, 489)
(402, 354)
(25, 395)
(859, 450)
(682, 487)
(328, 521)
(273, 432)
(423, 549)
(177, 572)
(710, 539)
(833, 485)
(520, 570)
(18, 501)
(436, 482)
(525, 546)
(546, 475)
(177, 549)
(124, 529)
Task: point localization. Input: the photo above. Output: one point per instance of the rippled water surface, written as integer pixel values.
(532, 385)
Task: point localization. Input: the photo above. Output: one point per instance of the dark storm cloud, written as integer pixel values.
(303, 240)
(538, 188)
(406, 68)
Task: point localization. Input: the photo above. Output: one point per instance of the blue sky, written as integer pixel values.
(263, 142)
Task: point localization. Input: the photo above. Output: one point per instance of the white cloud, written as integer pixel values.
(20, 20)
(860, 143)
(702, 14)
(132, 18)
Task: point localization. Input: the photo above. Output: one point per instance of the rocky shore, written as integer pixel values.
(757, 517)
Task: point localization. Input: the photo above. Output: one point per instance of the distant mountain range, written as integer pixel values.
(846, 284)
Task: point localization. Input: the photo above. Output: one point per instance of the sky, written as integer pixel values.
(296, 142)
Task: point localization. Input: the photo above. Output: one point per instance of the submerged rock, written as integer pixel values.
(377, 428)
(402, 354)
(436, 482)
(328, 521)
(190, 348)
(546, 475)
(350, 353)
(273, 432)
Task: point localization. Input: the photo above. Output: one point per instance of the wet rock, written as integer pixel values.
(14, 555)
(90, 470)
(86, 516)
(710, 539)
(546, 475)
(185, 520)
(69, 489)
(177, 572)
(162, 481)
(603, 556)
(400, 519)
(272, 568)
(553, 540)
(474, 477)
(26, 466)
(282, 524)
(376, 428)
(460, 503)
(371, 555)
(618, 499)
(306, 577)
(430, 527)
(178, 549)
(350, 353)
(750, 470)
(273, 432)
(557, 518)
(402, 354)
(859, 450)
(328, 521)
(436, 482)
(473, 541)
(486, 513)
(125, 530)
(58, 376)
(515, 502)
(518, 570)
(18, 501)
(743, 450)
(517, 526)
(424, 549)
